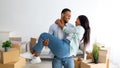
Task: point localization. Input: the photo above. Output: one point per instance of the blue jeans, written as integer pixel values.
(60, 48)
(67, 62)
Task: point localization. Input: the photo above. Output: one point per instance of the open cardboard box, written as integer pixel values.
(18, 64)
(77, 62)
(11, 56)
(90, 64)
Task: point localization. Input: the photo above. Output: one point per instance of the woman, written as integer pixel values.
(69, 46)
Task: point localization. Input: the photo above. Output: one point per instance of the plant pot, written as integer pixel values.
(7, 49)
(95, 61)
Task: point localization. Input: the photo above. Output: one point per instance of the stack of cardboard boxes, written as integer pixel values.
(89, 64)
(11, 59)
(103, 61)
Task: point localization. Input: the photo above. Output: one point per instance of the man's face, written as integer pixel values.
(66, 16)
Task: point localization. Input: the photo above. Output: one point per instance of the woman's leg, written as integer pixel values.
(59, 48)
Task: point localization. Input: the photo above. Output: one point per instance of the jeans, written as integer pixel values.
(67, 62)
(60, 48)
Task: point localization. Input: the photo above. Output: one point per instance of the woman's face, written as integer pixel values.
(77, 22)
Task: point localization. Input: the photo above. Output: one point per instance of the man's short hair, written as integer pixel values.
(65, 10)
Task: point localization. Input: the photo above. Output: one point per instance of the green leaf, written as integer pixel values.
(6, 44)
(95, 51)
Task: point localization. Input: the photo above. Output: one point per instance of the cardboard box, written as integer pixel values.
(32, 42)
(0, 55)
(18, 46)
(89, 55)
(77, 62)
(86, 64)
(102, 56)
(15, 38)
(18, 64)
(107, 63)
(11, 56)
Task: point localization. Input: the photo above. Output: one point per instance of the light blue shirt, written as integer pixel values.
(75, 34)
(56, 31)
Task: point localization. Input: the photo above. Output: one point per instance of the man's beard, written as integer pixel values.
(65, 22)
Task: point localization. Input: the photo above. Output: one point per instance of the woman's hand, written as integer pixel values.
(60, 23)
(57, 21)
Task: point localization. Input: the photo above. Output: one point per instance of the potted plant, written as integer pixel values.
(7, 44)
(95, 53)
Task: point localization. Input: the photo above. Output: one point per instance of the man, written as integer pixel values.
(58, 32)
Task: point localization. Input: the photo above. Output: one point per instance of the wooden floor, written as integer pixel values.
(48, 64)
(43, 64)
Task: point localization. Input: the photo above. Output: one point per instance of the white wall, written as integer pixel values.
(107, 27)
(29, 18)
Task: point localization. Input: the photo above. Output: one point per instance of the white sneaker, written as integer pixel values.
(35, 60)
(27, 55)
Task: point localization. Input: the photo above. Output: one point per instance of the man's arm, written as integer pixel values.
(51, 31)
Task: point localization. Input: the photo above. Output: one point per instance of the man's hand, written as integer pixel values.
(60, 23)
(46, 42)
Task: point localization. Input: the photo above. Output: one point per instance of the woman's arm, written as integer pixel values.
(66, 29)
(60, 23)
(70, 29)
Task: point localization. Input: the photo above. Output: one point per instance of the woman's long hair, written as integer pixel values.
(85, 24)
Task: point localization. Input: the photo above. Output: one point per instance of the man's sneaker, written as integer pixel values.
(27, 55)
(35, 60)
